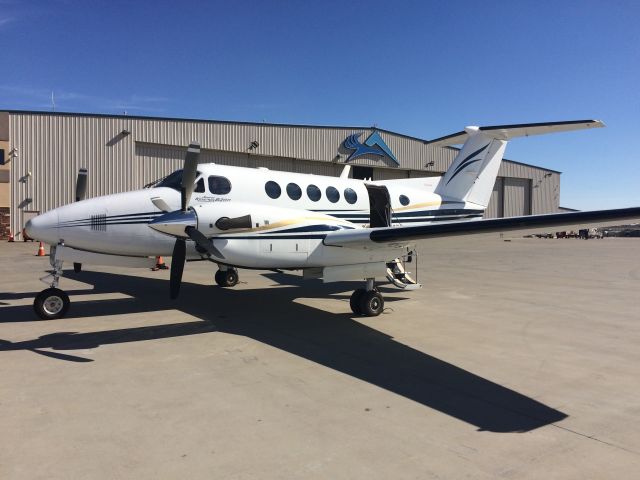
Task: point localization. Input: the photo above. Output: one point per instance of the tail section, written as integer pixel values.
(473, 173)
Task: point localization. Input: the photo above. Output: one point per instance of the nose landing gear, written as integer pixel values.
(52, 302)
(367, 301)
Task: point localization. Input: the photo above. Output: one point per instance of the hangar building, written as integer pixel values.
(41, 152)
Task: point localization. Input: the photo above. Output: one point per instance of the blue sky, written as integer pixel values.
(419, 68)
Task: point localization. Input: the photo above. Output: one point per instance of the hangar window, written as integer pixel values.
(404, 200)
(333, 194)
(219, 185)
(313, 193)
(350, 195)
(272, 189)
(294, 191)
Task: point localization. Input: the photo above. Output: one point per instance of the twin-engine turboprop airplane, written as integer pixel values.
(331, 228)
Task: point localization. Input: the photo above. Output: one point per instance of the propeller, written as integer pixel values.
(183, 223)
(178, 258)
(177, 267)
(81, 193)
(189, 173)
(81, 184)
(203, 242)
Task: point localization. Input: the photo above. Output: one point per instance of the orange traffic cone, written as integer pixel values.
(11, 237)
(160, 265)
(40, 250)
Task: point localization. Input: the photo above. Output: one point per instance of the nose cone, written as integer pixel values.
(44, 227)
(174, 223)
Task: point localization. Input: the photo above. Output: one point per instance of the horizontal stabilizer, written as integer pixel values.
(507, 132)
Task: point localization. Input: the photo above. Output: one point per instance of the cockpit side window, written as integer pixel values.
(199, 186)
(219, 185)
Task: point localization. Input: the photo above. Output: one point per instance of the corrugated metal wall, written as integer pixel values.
(495, 208)
(517, 197)
(123, 153)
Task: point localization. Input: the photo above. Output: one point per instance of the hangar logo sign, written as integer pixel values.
(373, 145)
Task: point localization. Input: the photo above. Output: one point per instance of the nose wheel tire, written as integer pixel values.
(227, 278)
(51, 303)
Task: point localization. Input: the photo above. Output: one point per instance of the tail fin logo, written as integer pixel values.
(373, 145)
(468, 161)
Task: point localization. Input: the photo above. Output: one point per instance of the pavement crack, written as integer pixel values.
(591, 437)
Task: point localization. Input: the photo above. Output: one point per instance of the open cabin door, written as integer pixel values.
(379, 206)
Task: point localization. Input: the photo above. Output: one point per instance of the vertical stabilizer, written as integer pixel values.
(473, 173)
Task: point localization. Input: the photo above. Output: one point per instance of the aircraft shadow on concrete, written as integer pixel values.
(336, 341)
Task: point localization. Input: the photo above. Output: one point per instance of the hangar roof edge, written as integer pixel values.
(235, 122)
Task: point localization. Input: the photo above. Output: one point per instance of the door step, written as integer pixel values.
(397, 275)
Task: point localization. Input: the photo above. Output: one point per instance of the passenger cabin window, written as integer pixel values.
(199, 186)
(404, 200)
(350, 195)
(294, 191)
(272, 189)
(333, 194)
(219, 185)
(313, 193)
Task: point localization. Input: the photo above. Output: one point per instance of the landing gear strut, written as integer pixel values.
(367, 301)
(52, 302)
(227, 277)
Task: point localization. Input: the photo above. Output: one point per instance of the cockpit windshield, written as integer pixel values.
(175, 181)
(172, 181)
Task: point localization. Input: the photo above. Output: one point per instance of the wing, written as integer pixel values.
(370, 238)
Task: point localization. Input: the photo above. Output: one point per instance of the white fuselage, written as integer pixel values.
(287, 229)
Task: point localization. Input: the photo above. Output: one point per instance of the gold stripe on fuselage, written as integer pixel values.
(293, 221)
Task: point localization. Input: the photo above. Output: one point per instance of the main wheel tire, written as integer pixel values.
(354, 301)
(51, 303)
(227, 278)
(77, 267)
(371, 303)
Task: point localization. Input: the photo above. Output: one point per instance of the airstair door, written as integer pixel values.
(379, 206)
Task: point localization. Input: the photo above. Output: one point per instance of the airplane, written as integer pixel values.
(333, 228)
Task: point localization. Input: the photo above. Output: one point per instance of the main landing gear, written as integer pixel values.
(367, 301)
(52, 302)
(227, 277)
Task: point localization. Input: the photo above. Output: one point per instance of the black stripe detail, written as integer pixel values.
(440, 219)
(314, 228)
(543, 124)
(271, 236)
(466, 162)
(436, 213)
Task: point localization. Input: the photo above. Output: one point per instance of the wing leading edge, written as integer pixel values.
(372, 237)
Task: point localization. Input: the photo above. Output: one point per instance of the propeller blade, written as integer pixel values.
(177, 266)
(81, 184)
(203, 242)
(189, 173)
(160, 204)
